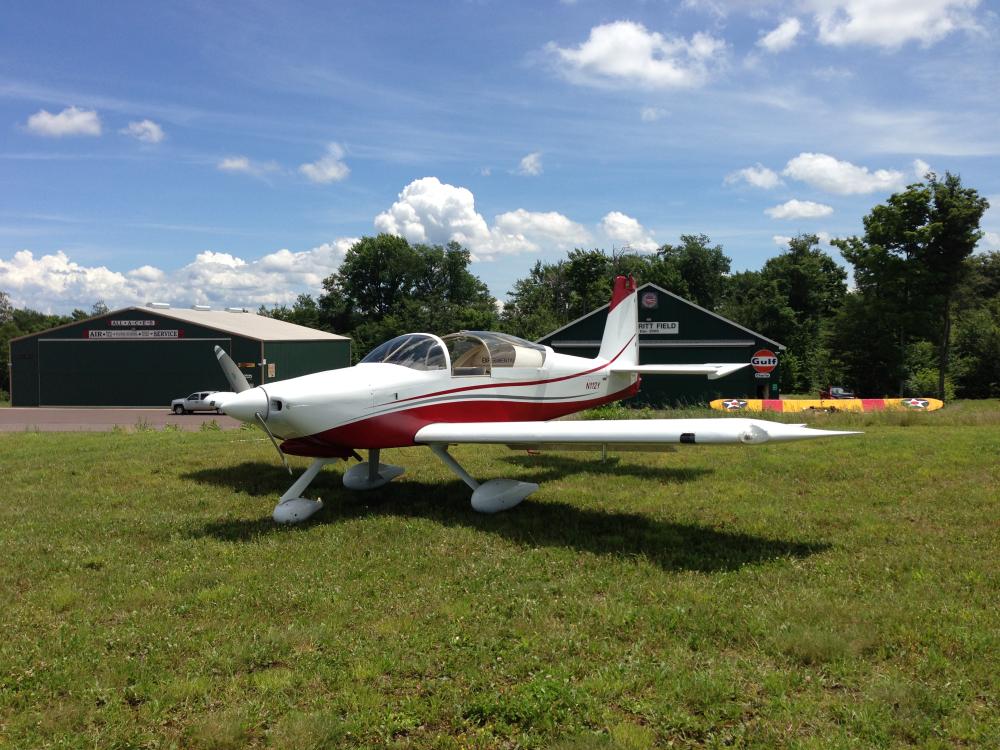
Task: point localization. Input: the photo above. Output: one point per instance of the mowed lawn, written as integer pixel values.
(838, 593)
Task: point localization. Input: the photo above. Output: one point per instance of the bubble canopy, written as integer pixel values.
(467, 352)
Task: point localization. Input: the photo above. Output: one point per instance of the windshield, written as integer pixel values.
(417, 351)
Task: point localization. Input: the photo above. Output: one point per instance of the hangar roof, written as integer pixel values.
(248, 324)
(689, 303)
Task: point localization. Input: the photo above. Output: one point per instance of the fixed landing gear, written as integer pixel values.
(370, 474)
(489, 497)
(367, 475)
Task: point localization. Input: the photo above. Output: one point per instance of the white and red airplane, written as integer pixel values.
(474, 387)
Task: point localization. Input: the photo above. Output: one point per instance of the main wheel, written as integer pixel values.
(178, 409)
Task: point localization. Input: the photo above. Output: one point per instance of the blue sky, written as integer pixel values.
(229, 153)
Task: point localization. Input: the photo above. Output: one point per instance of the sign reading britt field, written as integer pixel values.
(658, 327)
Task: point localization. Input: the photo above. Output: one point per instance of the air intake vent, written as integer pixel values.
(159, 305)
(201, 307)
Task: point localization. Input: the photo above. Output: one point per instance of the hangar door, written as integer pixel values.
(73, 372)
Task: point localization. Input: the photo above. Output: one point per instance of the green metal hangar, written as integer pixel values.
(673, 330)
(147, 356)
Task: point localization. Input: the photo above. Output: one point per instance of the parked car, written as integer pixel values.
(197, 401)
(836, 392)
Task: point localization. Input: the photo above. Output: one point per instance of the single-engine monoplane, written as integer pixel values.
(474, 387)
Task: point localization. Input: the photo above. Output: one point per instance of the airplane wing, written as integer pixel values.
(713, 371)
(634, 434)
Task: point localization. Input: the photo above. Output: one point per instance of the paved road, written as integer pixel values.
(48, 419)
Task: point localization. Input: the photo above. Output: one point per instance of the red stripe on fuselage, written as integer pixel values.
(397, 429)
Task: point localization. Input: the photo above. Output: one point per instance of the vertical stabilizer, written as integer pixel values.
(622, 329)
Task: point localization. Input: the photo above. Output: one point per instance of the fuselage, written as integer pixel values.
(383, 405)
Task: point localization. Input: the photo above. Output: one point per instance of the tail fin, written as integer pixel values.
(621, 332)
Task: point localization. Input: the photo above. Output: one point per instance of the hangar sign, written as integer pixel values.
(658, 327)
(162, 333)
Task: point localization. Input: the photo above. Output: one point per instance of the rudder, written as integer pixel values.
(621, 332)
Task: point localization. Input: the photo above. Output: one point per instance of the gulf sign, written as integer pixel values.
(764, 360)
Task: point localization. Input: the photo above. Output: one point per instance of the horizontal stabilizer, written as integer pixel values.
(713, 371)
(631, 432)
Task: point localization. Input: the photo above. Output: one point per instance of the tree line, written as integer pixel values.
(922, 316)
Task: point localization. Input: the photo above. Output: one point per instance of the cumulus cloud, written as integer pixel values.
(781, 240)
(435, 212)
(652, 114)
(624, 229)
(626, 52)
(146, 131)
(242, 164)
(782, 37)
(990, 241)
(328, 168)
(55, 282)
(533, 227)
(796, 209)
(920, 168)
(890, 23)
(834, 176)
(531, 165)
(758, 176)
(71, 121)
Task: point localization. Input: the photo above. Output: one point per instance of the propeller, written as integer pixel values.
(237, 381)
(239, 384)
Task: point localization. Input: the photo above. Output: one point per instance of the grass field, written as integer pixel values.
(837, 593)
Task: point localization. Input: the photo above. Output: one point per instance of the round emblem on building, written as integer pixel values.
(649, 300)
(764, 360)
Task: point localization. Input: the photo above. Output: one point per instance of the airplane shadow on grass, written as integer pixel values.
(671, 545)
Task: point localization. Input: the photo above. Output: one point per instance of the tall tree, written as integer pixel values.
(911, 256)
(386, 287)
(788, 300)
(699, 267)
(6, 308)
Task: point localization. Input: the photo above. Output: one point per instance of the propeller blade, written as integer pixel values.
(237, 381)
(262, 423)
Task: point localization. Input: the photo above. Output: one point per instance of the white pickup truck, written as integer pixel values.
(197, 401)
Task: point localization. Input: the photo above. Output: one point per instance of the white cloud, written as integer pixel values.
(625, 52)
(328, 168)
(890, 23)
(54, 282)
(246, 166)
(796, 209)
(652, 114)
(71, 121)
(624, 229)
(758, 175)
(532, 227)
(781, 240)
(782, 37)
(435, 212)
(990, 241)
(920, 168)
(834, 176)
(146, 131)
(531, 165)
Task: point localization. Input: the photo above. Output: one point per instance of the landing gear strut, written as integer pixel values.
(489, 497)
(370, 474)
(294, 509)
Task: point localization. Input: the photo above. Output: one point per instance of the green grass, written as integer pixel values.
(828, 594)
